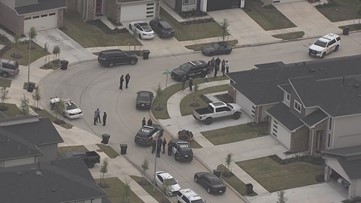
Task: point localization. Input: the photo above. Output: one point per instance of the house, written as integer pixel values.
(26, 140)
(19, 16)
(203, 5)
(116, 10)
(65, 180)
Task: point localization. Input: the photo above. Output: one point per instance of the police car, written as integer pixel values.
(324, 45)
(188, 196)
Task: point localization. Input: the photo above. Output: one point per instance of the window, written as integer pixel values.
(150, 16)
(148, 12)
(44, 15)
(27, 18)
(35, 17)
(150, 8)
(288, 96)
(297, 106)
(329, 140)
(330, 124)
(274, 134)
(150, 4)
(221, 109)
(51, 14)
(188, 2)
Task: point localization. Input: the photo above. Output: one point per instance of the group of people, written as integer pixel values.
(158, 145)
(127, 79)
(148, 123)
(215, 65)
(97, 118)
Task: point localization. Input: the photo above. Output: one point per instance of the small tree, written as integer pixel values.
(224, 27)
(126, 192)
(56, 51)
(3, 95)
(59, 108)
(103, 171)
(36, 96)
(24, 105)
(159, 96)
(228, 161)
(32, 36)
(281, 197)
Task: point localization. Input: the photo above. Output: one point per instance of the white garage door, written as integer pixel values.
(42, 21)
(281, 133)
(134, 12)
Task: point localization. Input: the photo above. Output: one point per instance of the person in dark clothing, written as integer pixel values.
(95, 117)
(164, 143)
(98, 116)
(159, 146)
(169, 149)
(223, 68)
(154, 144)
(104, 118)
(190, 84)
(121, 82)
(216, 71)
(127, 78)
(218, 62)
(143, 122)
(150, 122)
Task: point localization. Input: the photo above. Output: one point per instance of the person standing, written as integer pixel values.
(98, 116)
(159, 146)
(215, 71)
(121, 82)
(169, 149)
(154, 144)
(190, 84)
(218, 62)
(164, 143)
(95, 117)
(227, 66)
(150, 122)
(143, 122)
(223, 68)
(127, 78)
(104, 118)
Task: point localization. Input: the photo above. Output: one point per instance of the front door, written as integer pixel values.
(320, 140)
(99, 7)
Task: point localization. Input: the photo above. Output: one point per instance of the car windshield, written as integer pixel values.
(70, 106)
(145, 27)
(215, 181)
(170, 181)
(143, 97)
(320, 43)
(216, 45)
(186, 67)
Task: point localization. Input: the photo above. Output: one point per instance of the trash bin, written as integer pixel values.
(31, 86)
(217, 173)
(64, 64)
(146, 54)
(123, 148)
(346, 30)
(249, 189)
(105, 139)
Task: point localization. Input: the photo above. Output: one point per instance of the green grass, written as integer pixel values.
(108, 150)
(192, 31)
(268, 17)
(147, 186)
(290, 35)
(233, 134)
(353, 27)
(233, 181)
(275, 177)
(161, 100)
(11, 111)
(115, 191)
(23, 51)
(46, 114)
(77, 148)
(186, 107)
(341, 10)
(5, 82)
(194, 144)
(92, 36)
(198, 47)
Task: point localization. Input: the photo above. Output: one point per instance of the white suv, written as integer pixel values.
(188, 196)
(324, 45)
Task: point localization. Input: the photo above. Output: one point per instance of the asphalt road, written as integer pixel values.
(92, 86)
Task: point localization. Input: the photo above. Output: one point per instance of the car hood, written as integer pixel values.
(54, 100)
(235, 106)
(73, 111)
(316, 48)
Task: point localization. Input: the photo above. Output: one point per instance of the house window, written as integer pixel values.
(330, 124)
(329, 140)
(275, 122)
(51, 14)
(188, 2)
(44, 15)
(151, 4)
(28, 18)
(274, 134)
(288, 96)
(35, 17)
(297, 106)
(150, 8)
(150, 16)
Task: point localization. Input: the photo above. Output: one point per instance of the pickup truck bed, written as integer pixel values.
(202, 111)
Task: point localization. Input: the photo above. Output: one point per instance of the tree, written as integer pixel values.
(56, 51)
(159, 96)
(126, 192)
(36, 96)
(228, 161)
(281, 197)
(59, 108)
(224, 27)
(103, 171)
(3, 95)
(24, 105)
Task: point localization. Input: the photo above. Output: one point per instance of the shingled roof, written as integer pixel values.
(39, 5)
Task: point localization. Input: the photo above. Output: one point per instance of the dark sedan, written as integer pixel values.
(162, 28)
(147, 134)
(144, 99)
(217, 48)
(210, 182)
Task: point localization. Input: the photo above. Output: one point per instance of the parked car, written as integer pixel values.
(324, 45)
(210, 182)
(217, 110)
(90, 158)
(144, 100)
(217, 48)
(142, 30)
(162, 28)
(181, 150)
(71, 110)
(192, 69)
(112, 57)
(147, 134)
(188, 196)
(8, 68)
(166, 181)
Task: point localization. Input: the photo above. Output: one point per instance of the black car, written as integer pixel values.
(112, 57)
(181, 150)
(192, 69)
(162, 28)
(144, 100)
(210, 182)
(146, 134)
(217, 48)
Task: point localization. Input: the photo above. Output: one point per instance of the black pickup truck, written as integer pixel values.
(90, 158)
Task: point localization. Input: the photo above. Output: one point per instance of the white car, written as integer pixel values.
(324, 45)
(164, 179)
(142, 30)
(71, 110)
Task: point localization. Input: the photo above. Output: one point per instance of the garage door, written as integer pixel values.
(136, 12)
(41, 21)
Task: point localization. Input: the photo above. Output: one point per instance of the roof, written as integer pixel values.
(351, 167)
(40, 5)
(260, 86)
(314, 118)
(55, 181)
(282, 113)
(344, 152)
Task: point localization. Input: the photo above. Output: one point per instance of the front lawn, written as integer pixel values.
(232, 180)
(234, 134)
(147, 186)
(11, 110)
(89, 35)
(108, 150)
(56, 120)
(268, 17)
(275, 177)
(5, 82)
(340, 10)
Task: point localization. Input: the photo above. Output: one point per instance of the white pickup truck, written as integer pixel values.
(217, 110)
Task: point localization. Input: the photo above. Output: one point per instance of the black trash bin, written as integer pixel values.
(123, 148)
(249, 189)
(105, 139)
(64, 64)
(31, 86)
(217, 173)
(346, 30)
(146, 54)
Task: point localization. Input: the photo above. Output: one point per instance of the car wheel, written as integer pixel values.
(336, 48)
(323, 55)
(236, 115)
(132, 62)
(228, 52)
(140, 36)
(195, 179)
(5, 74)
(111, 65)
(209, 190)
(208, 121)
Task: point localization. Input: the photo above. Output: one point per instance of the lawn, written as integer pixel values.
(115, 191)
(147, 186)
(46, 114)
(290, 35)
(108, 150)
(5, 82)
(352, 27)
(275, 177)
(340, 10)
(89, 35)
(11, 111)
(198, 47)
(233, 181)
(268, 17)
(187, 103)
(234, 134)
(77, 148)
(192, 31)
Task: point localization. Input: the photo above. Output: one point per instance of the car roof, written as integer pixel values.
(165, 24)
(328, 37)
(197, 62)
(111, 51)
(164, 175)
(144, 92)
(8, 61)
(190, 194)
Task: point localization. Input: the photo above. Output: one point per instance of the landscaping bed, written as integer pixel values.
(108, 150)
(290, 35)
